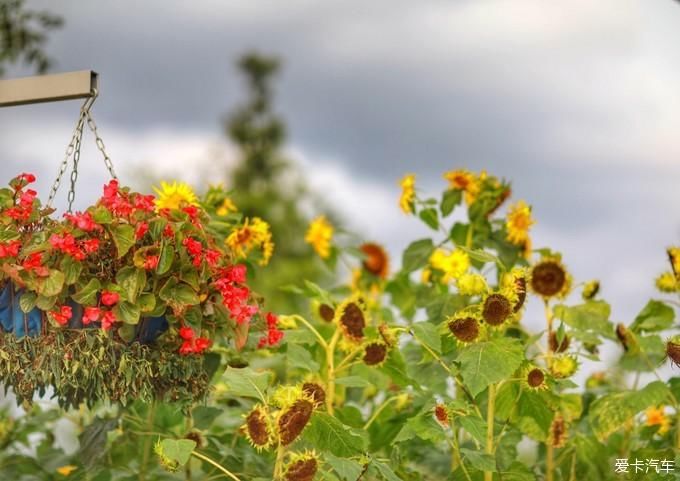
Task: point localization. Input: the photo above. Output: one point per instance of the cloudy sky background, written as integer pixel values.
(577, 103)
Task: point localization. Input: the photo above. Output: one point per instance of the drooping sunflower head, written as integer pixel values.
(375, 353)
(497, 308)
(673, 350)
(408, 193)
(252, 234)
(301, 467)
(626, 338)
(515, 283)
(441, 414)
(320, 235)
(518, 223)
(667, 282)
(352, 317)
(465, 181)
(388, 334)
(590, 290)
(563, 366)
(174, 196)
(557, 437)
(466, 328)
(558, 346)
(674, 259)
(226, 207)
(534, 378)
(258, 428)
(316, 392)
(472, 284)
(165, 461)
(376, 261)
(293, 419)
(549, 278)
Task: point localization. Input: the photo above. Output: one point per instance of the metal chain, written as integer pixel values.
(100, 145)
(73, 151)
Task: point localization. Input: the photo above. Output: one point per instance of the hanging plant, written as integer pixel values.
(127, 287)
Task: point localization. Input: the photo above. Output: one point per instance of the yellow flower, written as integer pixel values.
(408, 193)
(253, 233)
(466, 181)
(452, 264)
(319, 236)
(174, 196)
(667, 282)
(66, 470)
(519, 222)
(657, 417)
(674, 258)
(226, 207)
(590, 289)
(471, 285)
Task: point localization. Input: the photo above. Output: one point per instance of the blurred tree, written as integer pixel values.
(268, 186)
(23, 34)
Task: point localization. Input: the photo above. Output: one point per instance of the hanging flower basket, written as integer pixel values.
(118, 302)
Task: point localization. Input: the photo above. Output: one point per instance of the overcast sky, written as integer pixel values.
(577, 103)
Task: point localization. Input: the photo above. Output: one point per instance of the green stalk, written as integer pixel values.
(490, 414)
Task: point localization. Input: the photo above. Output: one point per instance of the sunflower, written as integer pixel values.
(533, 378)
(590, 289)
(466, 328)
(452, 264)
(258, 428)
(352, 317)
(563, 366)
(558, 434)
(667, 282)
(656, 416)
(376, 261)
(497, 308)
(549, 278)
(174, 196)
(316, 392)
(516, 281)
(66, 470)
(408, 194)
(441, 414)
(674, 258)
(301, 467)
(470, 284)
(254, 233)
(319, 235)
(226, 207)
(293, 419)
(518, 223)
(673, 350)
(562, 346)
(466, 181)
(375, 353)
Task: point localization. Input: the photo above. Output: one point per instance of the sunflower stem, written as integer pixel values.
(549, 450)
(217, 465)
(309, 326)
(330, 366)
(490, 414)
(278, 467)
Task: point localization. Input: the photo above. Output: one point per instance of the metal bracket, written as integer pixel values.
(48, 88)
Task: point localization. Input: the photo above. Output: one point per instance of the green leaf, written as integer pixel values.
(175, 293)
(71, 269)
(132, 280)
(299, 357)
(430, 217)
(416, 255)
(127, 312)
(87, 295)
(165, 259)
(590, 316)
(346, 469)
(385, 471)
(52, 284)
(204, 416)
(93, 441)
(612, 411)
(246, 382)
(178, 450)
(656, 316)
(485, 363)
(352, 381)
(423, 426)
(450, 199)
(534, 416)
(45, 303)
(479, 460)
(127, 332)
(123, 237)
(428, 334)
(475, 426)
(326, 433)
(27, 301)
(146, 302)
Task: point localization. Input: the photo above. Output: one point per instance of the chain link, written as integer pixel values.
(73, 152)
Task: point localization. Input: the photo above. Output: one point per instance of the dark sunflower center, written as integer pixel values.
(257, 428)
(353, 320)
(326, 312)
(294, 420)
(441, 414)
(302, 470)
(563, 346)
(316, 392)
(558, 432)
(374, 354)
(496, 309)
(548, 278)
(535, 377)
(465, 329)
(673, 352)
(521, 286)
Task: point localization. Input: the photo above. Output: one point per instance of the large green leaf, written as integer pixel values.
(178, 450)
(127, 312)
(132, 280)
(416, 255)
(52, 284)
(123, 237)
(590, 316)
(428, 334)
(656, 316)
(246, 382)
(488, 362)
(610, 412)
(346, 469)
(87, 295)
(326, 433)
